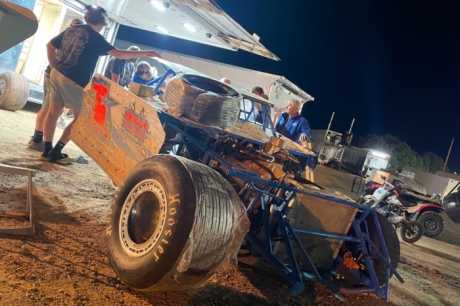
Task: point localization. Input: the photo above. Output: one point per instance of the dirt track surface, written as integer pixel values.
(66, 262)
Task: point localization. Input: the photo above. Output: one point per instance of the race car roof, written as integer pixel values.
(201, 21)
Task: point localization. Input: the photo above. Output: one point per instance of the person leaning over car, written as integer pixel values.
(121, 70)
(73, 56)
(291, 125)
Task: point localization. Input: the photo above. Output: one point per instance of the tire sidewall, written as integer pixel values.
(427, 215)
(406, 226)
(145, 271)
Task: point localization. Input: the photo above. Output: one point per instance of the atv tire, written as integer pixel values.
(14, 91)
(172, 223)
(411, 231)
(433, 224)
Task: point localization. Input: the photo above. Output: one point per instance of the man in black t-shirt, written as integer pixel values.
(73, 56)
(120, 70)
(36, 142)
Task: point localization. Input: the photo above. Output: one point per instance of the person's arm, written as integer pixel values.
(51, 47)
(305, 130)
(276, 121)
(115, 77)
(117, 70)
(130, 54)
(51, 53)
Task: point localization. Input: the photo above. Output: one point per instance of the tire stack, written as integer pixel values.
(203, 100)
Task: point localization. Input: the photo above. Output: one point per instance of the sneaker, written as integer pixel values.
(39, 146)
(61, 125)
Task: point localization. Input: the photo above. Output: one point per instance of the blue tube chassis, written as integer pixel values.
(200, 149)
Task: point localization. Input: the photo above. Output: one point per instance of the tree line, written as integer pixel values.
(402, 154)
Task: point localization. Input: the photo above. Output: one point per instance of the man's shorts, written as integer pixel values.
(63, 90)
(46, 92)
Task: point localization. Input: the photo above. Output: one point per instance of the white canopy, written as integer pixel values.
(201, 21)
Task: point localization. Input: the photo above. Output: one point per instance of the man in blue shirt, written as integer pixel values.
(291, 125)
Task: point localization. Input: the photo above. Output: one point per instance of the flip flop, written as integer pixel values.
(80, 159)
(63, 161)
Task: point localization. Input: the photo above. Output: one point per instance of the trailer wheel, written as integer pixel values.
(172, 223)
(433, 224)
(14, 91)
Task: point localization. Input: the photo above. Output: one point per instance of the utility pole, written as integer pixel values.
(448, 154)
(329, 126)
(351, 126)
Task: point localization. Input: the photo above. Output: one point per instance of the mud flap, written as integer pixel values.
(116, 128)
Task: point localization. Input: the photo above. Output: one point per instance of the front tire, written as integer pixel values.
(433, 224)
(172, 223)
(411, 231)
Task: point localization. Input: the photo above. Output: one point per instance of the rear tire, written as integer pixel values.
(14, 91)
(433, 224)
(172, 223)
(411, 231)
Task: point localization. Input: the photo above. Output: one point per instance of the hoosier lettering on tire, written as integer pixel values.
(172, 223)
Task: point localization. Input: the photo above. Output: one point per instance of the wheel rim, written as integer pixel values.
(411, 231)
(430, 224)
(143, 218)
(2, 87)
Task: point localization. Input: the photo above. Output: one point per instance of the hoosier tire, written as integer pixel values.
(433, 224)
(172, 223)
(14, 91)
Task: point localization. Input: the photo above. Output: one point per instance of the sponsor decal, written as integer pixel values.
(135, 124)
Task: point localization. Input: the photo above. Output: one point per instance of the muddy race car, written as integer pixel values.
(198, 180)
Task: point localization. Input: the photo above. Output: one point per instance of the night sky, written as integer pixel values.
(393, 65)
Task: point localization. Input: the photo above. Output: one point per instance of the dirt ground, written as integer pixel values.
(66, 262)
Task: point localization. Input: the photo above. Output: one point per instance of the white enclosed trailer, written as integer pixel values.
(198, 21)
